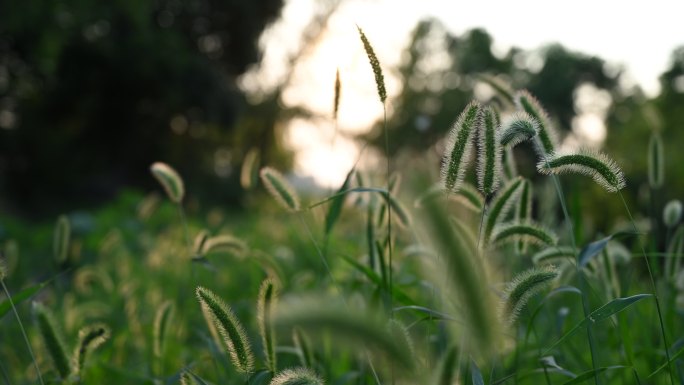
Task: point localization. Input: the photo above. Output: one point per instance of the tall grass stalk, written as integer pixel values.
(21, 326)
(655, 292)
(382, 94)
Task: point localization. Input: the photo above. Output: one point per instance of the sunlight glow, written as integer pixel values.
(590, 27)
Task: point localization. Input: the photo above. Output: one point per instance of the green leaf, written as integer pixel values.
(335, 208)
(674, 358)
(613, 307)
(594, 248)
(475, 374)
(591, 373)
(376, 279)
(20, 297)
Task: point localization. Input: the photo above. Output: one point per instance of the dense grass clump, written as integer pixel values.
(493, 275)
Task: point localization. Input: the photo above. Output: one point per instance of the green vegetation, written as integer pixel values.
(474, 286)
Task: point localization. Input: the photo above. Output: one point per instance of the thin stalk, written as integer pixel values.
(181, 214)
(332, 279)
(389, 208)
(655, 291)
(580, 274)
(23, 332)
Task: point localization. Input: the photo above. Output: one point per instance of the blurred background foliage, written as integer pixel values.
(91, 93)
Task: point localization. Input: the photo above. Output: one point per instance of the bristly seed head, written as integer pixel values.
(598, 166)
(548, 138)
(375, 64)
(517, 128)
(338, 89)
(280, 189)
(672, 213)
(170, 180)
(488, 152)
(297, 376)
(458, 148)
(523, 287)
(230, 328)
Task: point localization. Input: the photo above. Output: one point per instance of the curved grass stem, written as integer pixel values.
(580, 274)
(23, 332)
(655, 291)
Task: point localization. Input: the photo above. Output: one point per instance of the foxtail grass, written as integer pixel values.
(672, 213)
(548, 138)
(465, 275)
(318, 315)
(61, 239)
(297, 376)
(280, 189)
(224, 242)
(488, 153)
(170, 180)
(375, 65)
(89, 338)
(459, 147)
(523, 287)
(603, 170)
(517, 128)
(338, 91)
(268, 295)
(249, 172)
(53, 340)
(527, 232)
(231, 330)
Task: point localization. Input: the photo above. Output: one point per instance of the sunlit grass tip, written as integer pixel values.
(52, 337)
(338, 90)
(61, 239)
(375, 64)
(672, 213)
(224, 242)
(297, 376)
(231, 330)
(280, 189)
(526, 231)
(89, 338)
(603, 170)
(249, 172)
(266, 303)
(517, 128)
(523, 287)
(458, 148)
(488, 152)
(548, 138)
(170, 180)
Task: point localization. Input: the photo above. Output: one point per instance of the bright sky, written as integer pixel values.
(637, 35)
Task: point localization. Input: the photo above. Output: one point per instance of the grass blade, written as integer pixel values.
(613, 307)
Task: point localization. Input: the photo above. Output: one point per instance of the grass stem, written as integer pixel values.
(23, 332)
(655, 291)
